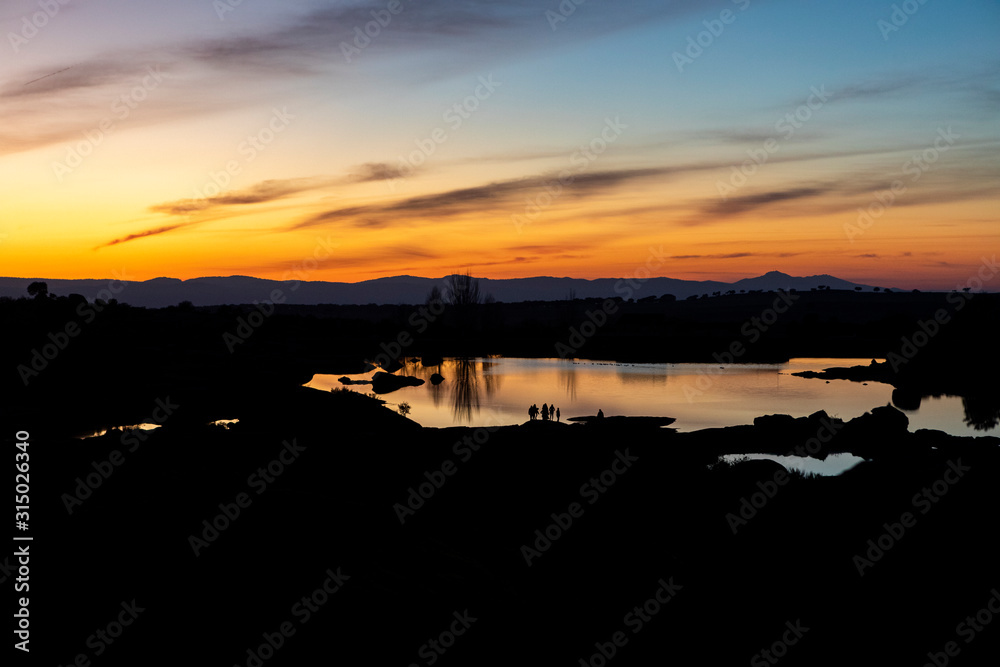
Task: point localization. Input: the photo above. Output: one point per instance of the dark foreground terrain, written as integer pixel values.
(555, 538)
(323, 528)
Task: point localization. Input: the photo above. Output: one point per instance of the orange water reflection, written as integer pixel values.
(499, 390)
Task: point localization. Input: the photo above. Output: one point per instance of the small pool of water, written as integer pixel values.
(833, 465)
(140, 427)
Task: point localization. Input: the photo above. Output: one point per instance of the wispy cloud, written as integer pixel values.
(493, 196)
(746, 203)
(737, 255)
(375, 171)
(145, 234)
(260, 193)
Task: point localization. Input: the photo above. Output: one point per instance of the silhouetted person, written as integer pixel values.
(600, 414)
(531, 412)
(552, 411)
(545, 411)
(557, 414)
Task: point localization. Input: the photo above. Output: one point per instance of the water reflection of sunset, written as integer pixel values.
(498, 390)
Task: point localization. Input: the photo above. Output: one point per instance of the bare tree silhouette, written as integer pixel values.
(463, 290)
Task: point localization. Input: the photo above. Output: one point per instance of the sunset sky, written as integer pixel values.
(511, 139)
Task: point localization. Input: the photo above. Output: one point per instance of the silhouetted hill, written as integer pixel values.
(212, 291)
(774, 280)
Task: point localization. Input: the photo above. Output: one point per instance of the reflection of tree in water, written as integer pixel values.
(465, 390)
(491, 379)
(424, 368)
(982, 413)
(567, 380)
(437, 390)
(469, 377)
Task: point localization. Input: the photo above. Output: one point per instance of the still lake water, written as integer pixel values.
(498, 390)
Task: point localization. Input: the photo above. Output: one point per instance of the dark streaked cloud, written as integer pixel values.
(260, 193)
(502, 194)
(145, 234)
(547, 249)
(737, 255)
(93, 73)
(310, 43)
(746, 203)
(376, 171)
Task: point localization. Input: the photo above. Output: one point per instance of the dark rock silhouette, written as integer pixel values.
(437, 379)
(619, 422)
(774, 422)
(346, 380)
(384, 383)
(904, 399)
(809, 529)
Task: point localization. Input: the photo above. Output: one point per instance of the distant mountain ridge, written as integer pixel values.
(212, 291)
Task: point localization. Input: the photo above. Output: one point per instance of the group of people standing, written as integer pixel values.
(547, 411)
